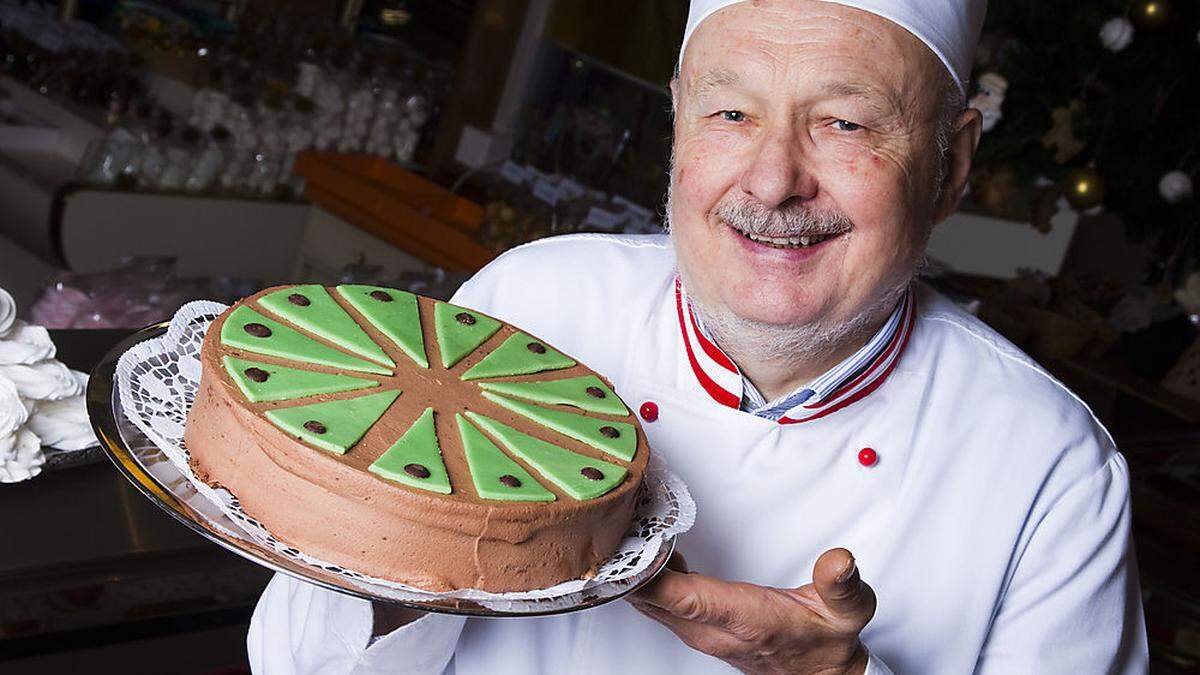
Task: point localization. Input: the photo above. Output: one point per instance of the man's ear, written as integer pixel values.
(967, 130)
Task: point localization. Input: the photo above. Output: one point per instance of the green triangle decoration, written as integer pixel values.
(618, 439)
(313, 309)
(460, 331)
(416, 459)
(251, 331)
(580, 477)
(495, 474)
(520, 354)
(333, 425)
(586, 393)
(394, 313)
(268, 382)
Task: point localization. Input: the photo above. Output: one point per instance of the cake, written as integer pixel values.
(413, 440)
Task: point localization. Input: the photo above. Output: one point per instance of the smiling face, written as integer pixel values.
(804, 183)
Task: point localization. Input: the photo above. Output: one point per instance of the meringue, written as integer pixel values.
(44, 380)
(8, 312)
(63, 424)
(21, 456)
(13, 412)
(41, 399)
(25, 343)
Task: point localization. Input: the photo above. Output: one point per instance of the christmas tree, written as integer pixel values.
(1098, 102)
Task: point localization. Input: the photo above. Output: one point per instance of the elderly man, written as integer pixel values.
(817, 401)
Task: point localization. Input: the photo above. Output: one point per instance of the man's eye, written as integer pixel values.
(732, 115)
(843, 125)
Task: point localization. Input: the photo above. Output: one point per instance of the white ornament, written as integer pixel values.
(989, 99)
(1116, 34)
(1174, 186)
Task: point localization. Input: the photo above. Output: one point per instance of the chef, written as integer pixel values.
(883, 483)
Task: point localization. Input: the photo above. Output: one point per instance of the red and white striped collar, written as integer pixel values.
(720, 378)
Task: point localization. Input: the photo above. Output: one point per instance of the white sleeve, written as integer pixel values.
(299, 628)
(1073, 604)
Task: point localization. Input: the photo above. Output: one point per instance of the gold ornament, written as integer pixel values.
(1061, 136)
(1151, 14)
(1083, 187)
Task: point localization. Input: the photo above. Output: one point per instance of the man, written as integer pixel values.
(883, 483)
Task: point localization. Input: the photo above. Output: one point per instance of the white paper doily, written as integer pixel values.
(157, 381)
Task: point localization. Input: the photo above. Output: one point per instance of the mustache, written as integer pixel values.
(791, 220)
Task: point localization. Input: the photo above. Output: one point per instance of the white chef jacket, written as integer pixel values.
(994, 525)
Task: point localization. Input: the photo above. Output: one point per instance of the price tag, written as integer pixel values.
(571, 189)
(546, 191)
(514, 173)
(602, 219)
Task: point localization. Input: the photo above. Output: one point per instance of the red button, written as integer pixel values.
(867, 457)
(649, 411)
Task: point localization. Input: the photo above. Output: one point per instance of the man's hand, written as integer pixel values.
(808, 630)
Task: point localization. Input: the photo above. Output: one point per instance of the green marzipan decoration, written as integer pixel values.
(399, 320)
(324, 317)
(515, 358)
(456, 339)
(287, 343)
(288, 383)
(345, 421)
(579, 427)
(488, 464)
(418, 445)
(571, 391)
(561, 466)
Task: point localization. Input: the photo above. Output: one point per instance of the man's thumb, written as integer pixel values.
(838, 582)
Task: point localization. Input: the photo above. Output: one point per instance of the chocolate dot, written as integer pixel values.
(610, 432)
(381, 296)
(591, 473)
(315, 427)
(299, 300)
(465, 319)
(510, 481)
(416, 470)
(596, 392)
(536, 347)
(257, 330)
(257, 374)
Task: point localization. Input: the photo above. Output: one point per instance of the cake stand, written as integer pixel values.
(153, 474)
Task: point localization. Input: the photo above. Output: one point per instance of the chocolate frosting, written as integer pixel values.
(332, 507)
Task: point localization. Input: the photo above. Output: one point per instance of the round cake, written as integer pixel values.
(413, 440)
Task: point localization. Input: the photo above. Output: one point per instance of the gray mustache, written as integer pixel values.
(790, 221)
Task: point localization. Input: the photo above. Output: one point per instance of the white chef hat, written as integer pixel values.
(950, 28)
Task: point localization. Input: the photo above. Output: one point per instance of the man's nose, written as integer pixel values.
(778, 171)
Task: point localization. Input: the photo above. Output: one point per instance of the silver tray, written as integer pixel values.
(147, 467)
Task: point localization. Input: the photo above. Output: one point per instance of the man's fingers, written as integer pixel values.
(678, 563)
(711, 640)
(837, 581)
(694, 597)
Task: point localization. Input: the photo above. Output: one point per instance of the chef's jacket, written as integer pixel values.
(991, 517)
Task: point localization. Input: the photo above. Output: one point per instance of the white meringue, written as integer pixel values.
(21, 456)
(8, 312)
(26, 343)
(43, 380)
(63, 424)
(13, 413)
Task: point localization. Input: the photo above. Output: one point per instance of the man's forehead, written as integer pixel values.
(878, 94)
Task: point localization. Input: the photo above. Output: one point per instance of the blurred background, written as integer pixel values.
(153, 153)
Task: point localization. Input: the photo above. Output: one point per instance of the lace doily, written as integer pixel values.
(157, 381)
